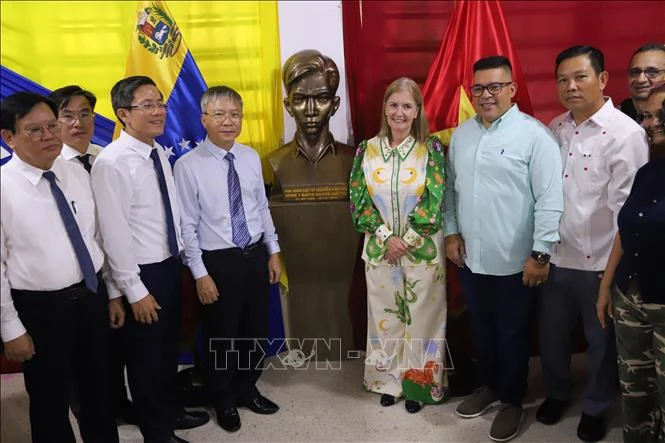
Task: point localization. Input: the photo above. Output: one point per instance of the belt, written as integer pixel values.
(249, 251)
(73, 292)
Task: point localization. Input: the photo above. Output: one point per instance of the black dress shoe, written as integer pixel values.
(228, 419)
(193, 419)
(591, 428)
(387, 400)
(259, 405)
(551, 411)
(413, 406)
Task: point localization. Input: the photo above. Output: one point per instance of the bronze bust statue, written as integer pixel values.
(312, 166)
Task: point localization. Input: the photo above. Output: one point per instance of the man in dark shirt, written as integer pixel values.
(647, 67)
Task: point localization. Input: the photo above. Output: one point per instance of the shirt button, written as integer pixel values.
(641, 214)
(586, 169)
(636, 254)
(577, 132)
(654, 201)
(630, 277)
(565, 176)
(588, 256)
(570, 153)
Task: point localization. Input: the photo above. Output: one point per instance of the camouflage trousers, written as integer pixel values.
(640, 336)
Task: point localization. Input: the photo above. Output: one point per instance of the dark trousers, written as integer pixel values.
(152, 353)
(240, 312)
(568, 294)
(70, 331)
(501, 318)
(118, 360)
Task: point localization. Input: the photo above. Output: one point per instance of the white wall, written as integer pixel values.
(316, 25)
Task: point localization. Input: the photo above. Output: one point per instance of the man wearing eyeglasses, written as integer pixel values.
(501, 213)
(139, 218)
(54, 306)
(76, 115)
(601, 150)
(647, 67)
(231, 248)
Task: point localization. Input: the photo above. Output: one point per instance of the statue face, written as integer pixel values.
(311, 104)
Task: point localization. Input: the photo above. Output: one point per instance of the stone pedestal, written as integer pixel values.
(319, 248)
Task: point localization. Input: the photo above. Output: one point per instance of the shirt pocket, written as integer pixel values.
(591, 173)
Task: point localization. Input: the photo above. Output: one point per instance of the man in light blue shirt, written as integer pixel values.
(231, 248)
(501, 215)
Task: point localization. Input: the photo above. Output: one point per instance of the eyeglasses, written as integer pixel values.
(149, 106)
(650, 73)
(221, 116)
(492, 88)
(69, 118)
(37, 132)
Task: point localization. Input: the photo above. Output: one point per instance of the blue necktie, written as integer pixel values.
(170, 226)
(240, 233)
(74, 233)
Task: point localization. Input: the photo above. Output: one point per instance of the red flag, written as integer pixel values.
(477, 29)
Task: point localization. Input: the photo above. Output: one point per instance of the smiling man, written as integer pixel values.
(647, 67)
(501, 213)
(139, 219)
(601, 150)
(231, 248)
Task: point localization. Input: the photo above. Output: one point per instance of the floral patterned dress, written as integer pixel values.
(399, 191)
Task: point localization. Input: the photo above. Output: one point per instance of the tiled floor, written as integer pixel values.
(331, 406)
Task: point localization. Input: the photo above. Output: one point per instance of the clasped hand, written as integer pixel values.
(396, 248)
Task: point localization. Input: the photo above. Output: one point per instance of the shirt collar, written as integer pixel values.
(600, 118)
(328, 145)
(402, 149)
(137, 145)
(69, 153)
(33, 174)
(508, 116)
(217, 151)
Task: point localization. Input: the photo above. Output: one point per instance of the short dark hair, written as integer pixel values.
(595, 56)
(18, 105)
(61, 97)
(122, 93)
(649, 47)
(492, 62)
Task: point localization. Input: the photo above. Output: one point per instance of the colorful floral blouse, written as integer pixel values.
(399, 191)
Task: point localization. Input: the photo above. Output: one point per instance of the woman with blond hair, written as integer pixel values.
(396, 192)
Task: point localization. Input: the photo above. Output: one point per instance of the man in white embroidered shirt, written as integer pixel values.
(139, 219)
(231, 248)
(55, 309)
(601, 149)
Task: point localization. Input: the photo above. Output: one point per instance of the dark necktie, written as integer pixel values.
(85, 160)
(74, 233)
(170, 226)
(240, 233)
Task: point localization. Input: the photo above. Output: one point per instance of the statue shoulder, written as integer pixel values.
(276, 156)
(344, 149)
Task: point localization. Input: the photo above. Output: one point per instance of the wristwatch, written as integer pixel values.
(542, 258)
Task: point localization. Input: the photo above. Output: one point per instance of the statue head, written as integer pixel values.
(311, 80)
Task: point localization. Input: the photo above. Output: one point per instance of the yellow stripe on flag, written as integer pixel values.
(465, 112)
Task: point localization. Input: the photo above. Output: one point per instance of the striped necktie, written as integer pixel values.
(240, 233)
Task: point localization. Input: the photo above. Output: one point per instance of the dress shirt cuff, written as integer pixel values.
(542, 246)
(198, 269)
(136, 292)
(383, 233)
(12, 329)
(112, 290)
(413, 238)
(272, 247)
(450, 227)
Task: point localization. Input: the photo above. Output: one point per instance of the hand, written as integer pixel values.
(604, 306)
(145, 310)
(455, 249)
(20, 349)
(274, 268)
(396, 247)
(534, 273)
(206, 289)
(116, 313)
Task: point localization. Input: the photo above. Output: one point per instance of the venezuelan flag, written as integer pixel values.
(158, 50)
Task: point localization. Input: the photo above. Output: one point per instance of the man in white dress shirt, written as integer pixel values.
(55, 308)
(231, 248)
(76, 114)
(139, 219)
(601, 149)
